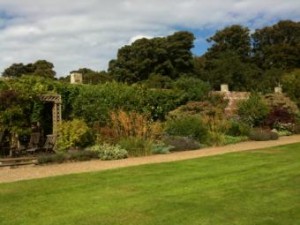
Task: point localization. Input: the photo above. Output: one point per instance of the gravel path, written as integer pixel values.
(33, 172)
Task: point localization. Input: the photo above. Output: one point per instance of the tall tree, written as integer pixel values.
(44, 68)
(41, 68)
(278, 45)
(230, 69)
(228, 59)
(17, 70)
(235, 38)
(167, 56)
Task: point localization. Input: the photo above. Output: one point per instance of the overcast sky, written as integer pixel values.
(75, 33)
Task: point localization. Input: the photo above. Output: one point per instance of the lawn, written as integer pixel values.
(260, 187)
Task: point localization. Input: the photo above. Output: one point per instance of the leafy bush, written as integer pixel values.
(109, 152)
(70, 134)
(137, 146)
(259, 134)
(51, 158)
(233, 139)
(284, 133)
(215, 138)
(190, 126)
(64, 157)
(238, 128)
(84, 155)
(282, 110)
(192, 89)
(291, 85)
(253, 111)
(296, 128)
(161, 148)
(94, 103)
(180, 143)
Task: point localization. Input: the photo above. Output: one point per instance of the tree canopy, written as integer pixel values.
(40, 68)
(167, 56)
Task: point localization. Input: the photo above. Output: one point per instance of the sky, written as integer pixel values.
(74, 34)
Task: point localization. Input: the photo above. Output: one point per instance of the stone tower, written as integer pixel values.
(76, 78)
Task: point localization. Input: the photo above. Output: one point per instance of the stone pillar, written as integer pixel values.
(278, 89)
(224, 88)
(56, 115)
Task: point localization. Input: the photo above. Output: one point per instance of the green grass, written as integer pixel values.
(260, 187)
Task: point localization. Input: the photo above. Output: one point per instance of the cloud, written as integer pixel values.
(74, 34)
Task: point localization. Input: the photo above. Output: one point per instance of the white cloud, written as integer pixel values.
(77, 33)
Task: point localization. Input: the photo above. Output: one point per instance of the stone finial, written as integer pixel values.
(278, 90)
(76, 78)
(224, 88)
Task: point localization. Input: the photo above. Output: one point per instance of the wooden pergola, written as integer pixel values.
(56, 109)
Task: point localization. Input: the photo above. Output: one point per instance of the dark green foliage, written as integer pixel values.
(81, 155)
(296, 128)
(234, 139)
(228, 67)
(250, 62)
(16, 70)
(53, 158)
(291, 85)
(158, 81)
(40, 68)
(253, 111)
(192, 89)
(43, 68)
(277, 46)
(238, 128)
(15, 110)
(168, 56)
(189, 126)
(180, 143)
(259, 134)
(234, 38)
(227, 60)
(94, 103)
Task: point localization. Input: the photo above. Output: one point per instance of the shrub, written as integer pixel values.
(283, 110)
(259, 134)
(233, 139)
(161, 148)
(296, 128)
(180, 143)
(132, 124)
(238, 128)
(137, 146)
(215, 138)
(82, 155)
(63, 157)
(189, 126)
(253, 111)
(51, 158)
(291, 85)
(70, 134)
(284, 133)
(192, 89)
(109, 152)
